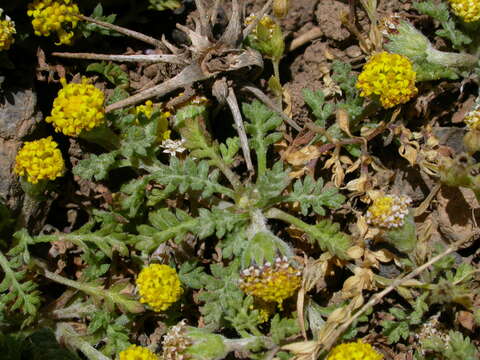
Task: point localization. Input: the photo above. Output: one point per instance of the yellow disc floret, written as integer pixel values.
(159, 286)
(39, 160)
(388, 211)
(7, 30)
(135, 352)
(271, 283)
(390, 77)
(354, 351)
(468, 10)
(54, 16)
(76, 108)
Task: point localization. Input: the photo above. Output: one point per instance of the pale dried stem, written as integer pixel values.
(258, 17)
(237, 117)
(153, 58)
(188, 76)
(375, 299)
(124, 31)
(310, 35)
(271, 105)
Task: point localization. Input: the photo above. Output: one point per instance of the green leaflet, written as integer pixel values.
(311, 194)
(18, 293)
(262, 121)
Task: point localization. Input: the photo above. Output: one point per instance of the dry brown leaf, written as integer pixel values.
(302, 156)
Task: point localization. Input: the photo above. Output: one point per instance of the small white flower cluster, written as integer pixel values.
(388, 211)
(280, 263)
(173, 147)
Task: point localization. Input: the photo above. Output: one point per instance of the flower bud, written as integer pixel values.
(280, 8)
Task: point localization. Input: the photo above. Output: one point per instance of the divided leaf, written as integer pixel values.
(312, 194)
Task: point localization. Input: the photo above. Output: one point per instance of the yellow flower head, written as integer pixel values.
(390, 77)
(7, 30)
(39, 160)
(54, 16)
(135, 352)
(473, 119)
(271, 283)
(159, 286)
(468, 10)
(388, 211)
(162, 133)
(354, 351)
(266, 21)
(77, 107)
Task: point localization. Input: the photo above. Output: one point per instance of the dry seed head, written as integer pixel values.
(388, 211)
(271, 282)
(472, 119)
(176, 342)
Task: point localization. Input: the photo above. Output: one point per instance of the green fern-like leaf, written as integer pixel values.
(188, 175)
(262, 121)
(18, 293)
(96, 166)
(281, 328)
(321, 110)
(270, 185)
(329, 238)
(311, 194)
(220, 291)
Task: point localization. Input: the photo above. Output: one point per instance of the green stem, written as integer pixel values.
(278, 214)
(97, 291)
(66, 334)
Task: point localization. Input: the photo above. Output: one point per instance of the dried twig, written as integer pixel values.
(270, 104)
(310, 35)
(153, 58)
(124, 31)
(237, 117)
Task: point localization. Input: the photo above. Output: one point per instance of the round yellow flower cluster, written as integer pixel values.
(7, 30)
(135, 352)
(468, 10)
(389, 76)
(77, 107)
(472, 119)
(388, 211)
(354, 351)
(159, 286)
(162, 133)
(271, 283)
(54, 15)
(39, 160)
